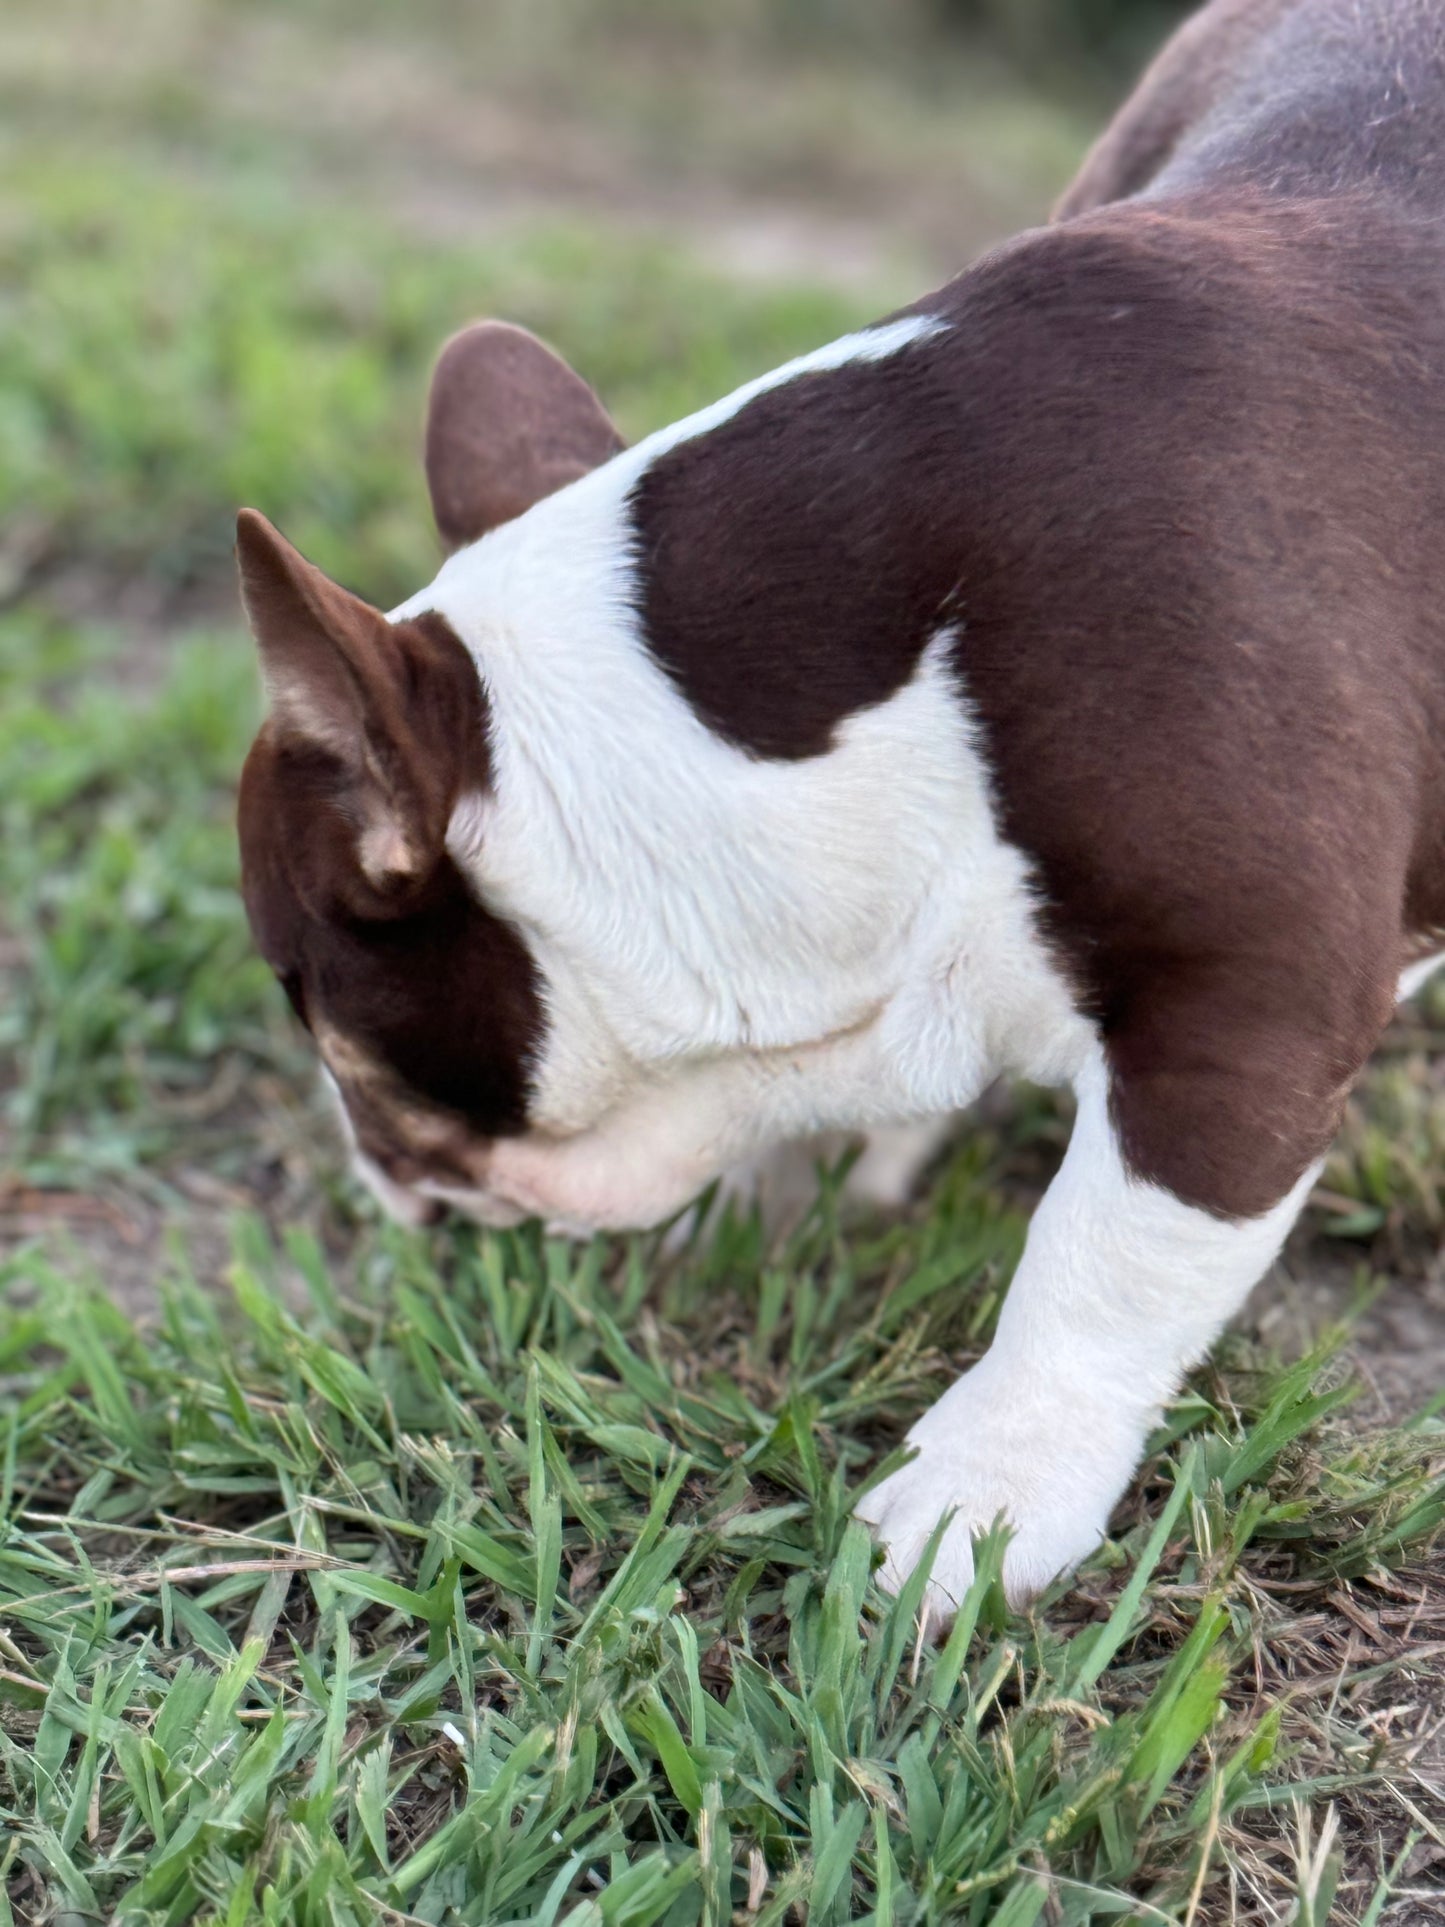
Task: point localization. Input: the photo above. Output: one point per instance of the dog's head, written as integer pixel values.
(426, 1006)
(469, 1069)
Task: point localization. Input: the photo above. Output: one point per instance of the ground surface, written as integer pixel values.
(483, 1580)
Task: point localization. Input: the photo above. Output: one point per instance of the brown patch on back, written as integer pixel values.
(1202, 638)
(777, 588)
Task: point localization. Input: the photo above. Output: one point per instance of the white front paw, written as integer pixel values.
(1050, 1458)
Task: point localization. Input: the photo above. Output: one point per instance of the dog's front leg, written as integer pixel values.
(1120, 1289)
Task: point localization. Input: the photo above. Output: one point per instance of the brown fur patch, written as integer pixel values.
(407, 974)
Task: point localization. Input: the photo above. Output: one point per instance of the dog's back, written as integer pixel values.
(1295, 97)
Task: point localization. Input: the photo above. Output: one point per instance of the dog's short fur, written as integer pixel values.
(1047, 681)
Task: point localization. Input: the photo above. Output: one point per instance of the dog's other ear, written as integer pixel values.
(340, 678)
(507, 423)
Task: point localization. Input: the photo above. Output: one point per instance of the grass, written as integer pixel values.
(120, 879)
(476, 1593)
(151, 383)
(459, 1578)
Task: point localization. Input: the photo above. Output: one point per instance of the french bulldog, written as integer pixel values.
(1047, 681)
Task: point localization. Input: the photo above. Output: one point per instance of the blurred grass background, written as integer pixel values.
(234, 230)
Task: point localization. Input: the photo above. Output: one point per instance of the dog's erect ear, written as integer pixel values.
(324, 655)
(507, 423)
(341, 678)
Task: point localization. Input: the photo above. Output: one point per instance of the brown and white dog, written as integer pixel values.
(1049, 680)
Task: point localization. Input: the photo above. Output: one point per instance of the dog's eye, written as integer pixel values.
(296, 994)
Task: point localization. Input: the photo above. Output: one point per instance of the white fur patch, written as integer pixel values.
(1120, 1289)
(385, 852)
